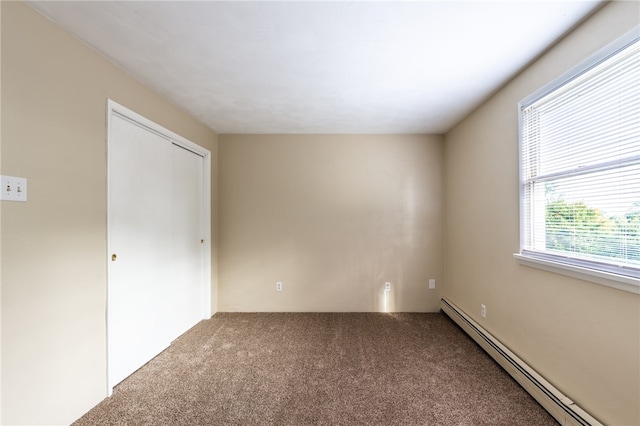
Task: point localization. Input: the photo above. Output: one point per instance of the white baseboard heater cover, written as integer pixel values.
(564, 410)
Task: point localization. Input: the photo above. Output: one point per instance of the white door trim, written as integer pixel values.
(123, 112)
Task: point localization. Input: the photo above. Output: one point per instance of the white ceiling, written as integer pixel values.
(321, 67)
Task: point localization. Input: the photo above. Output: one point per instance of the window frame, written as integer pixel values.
(574, 267)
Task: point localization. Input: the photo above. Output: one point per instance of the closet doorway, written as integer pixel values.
(159, 280)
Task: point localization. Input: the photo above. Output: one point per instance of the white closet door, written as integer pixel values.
(187, 239)
(139, 206)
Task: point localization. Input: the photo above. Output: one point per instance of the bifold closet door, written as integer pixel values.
(155, 283)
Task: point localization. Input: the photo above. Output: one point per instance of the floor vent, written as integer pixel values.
(565, 411)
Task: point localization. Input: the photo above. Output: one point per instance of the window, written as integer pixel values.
(580, 167)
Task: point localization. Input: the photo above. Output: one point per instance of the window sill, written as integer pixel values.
(620, 282)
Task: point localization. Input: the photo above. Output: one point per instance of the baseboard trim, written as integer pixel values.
(563, 409)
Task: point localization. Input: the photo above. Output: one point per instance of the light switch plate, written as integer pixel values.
(13, 188)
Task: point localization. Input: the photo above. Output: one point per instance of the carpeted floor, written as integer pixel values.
(321, 368)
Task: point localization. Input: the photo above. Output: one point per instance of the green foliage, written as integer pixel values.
(578, 228)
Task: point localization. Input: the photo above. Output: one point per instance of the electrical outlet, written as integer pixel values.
(483, 311)
(13, 188)
(432, 284)
(278, 286)
(387, 286)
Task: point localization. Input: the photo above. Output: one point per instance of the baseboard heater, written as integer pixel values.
(564, 410)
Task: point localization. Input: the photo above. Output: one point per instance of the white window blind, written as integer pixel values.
(580, 165)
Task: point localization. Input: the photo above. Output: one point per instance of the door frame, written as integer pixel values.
(113, 108)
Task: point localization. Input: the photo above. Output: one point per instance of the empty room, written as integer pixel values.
(309, 212)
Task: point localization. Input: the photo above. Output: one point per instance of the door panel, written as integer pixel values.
(186, 235)
(139, 205)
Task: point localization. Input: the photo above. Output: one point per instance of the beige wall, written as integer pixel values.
(583, 337)
(332, 217)
(54, 92)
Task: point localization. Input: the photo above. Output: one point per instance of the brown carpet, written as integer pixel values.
(321, 368)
